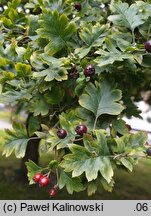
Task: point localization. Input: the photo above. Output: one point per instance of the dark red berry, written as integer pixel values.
(61, 133)
(77, 6)
(148, 151)
(148, 46)
(89, 70)
(44, 181)
(37, 177)
(81, 129)
(53, 192)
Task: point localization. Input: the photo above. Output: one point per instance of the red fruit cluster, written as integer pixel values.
(41, 179)
(45, 181)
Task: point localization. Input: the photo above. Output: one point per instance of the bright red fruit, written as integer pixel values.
(53, 192)
(44, 181)
(37, 177)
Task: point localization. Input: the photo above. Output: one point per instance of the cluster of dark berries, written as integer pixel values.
(89, 71)
(80, 130)
(45, 181)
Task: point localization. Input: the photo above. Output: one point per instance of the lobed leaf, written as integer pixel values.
(82, 161)
(72, 184)
(56, 29)
(16, 141)
(126, 16)
(101, 98)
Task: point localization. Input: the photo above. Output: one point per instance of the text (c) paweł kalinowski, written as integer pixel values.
(97, 207)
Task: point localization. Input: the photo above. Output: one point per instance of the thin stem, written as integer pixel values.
(57, 172)
(57, 123)
(149, 29)
(57, 175)
(95, 123)
(126, 156)
(133, 37)
(48, 174)
(74, 140)
(34, 138)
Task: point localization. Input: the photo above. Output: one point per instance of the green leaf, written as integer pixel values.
(53, 165)
(88, 118)
(81, 160)
(7, 22)
(41, 135)
(108, 58)
(130, 143)
(107, 186)
(98, 146)
(147, 60)
(102, 143)
(16, 141)
(33, 25)
(15, 3)
(126, 163)
(126, 16)
(4, 61)
(92, 187)
(39, 106)
(56, 29)
(22, 70)
(32, 170)
(55, 96)
(13, 97)
(55, 70)
(72, 184)
(33, 125)
(82, 52)
(111, 47)
(120, 127)
(101, 98)
(93, 34)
